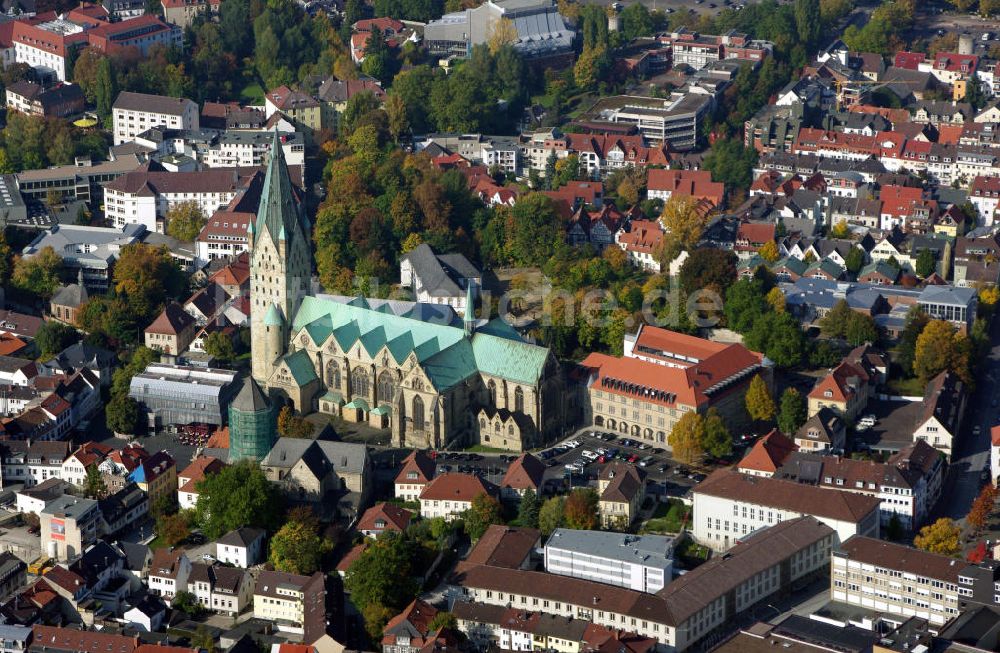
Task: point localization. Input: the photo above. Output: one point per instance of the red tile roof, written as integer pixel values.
(393, 517)
(455, 487)
(643, 236)
(81, 641)
(503, 546)
(352, 555)
(693, 183)
(909, 60)
(419, 463)
(525, 473)
(768, 453)
(840, 382)
(416, 620)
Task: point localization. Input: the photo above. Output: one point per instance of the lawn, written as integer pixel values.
(252, 93)
(906, 387)
(669, 517)
(691, 554)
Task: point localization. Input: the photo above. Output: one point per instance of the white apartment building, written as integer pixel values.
(728, 506)
(242, 547)
(168, 572)
(134, 113)
(281, 598)
(221, 589)
(145, 197)
(417, 472)
(639, 562)
(900, 580)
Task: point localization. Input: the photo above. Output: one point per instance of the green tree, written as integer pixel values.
(94, 486)
(238, 495)
(731, 163)
(759, 404)
(105, 90)
(185, 221)
(581, 509)
(383, 574)
(298, 548)
(53, 337)
(860, 329)
(779, 337)
(807, 22)
(926, 263)
(834, 323)
(443, 620)
(636, 21)
(550, 516)
(38, 274)
(792, 414)
(187, 603)
(716, 439)
(708, 268)
(202, 638)
(855, 260)
(916, 320)
(484, 512)
(220, 346)
(122, 414)
(744, 304)
(528, 509)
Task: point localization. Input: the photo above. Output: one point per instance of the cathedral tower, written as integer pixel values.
(280, 267)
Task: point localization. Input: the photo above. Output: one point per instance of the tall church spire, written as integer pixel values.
(278, 208)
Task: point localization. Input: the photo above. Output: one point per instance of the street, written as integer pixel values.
(971, 455)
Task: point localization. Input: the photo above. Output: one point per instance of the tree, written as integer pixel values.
(942, 537)
(894, 530)
(683, 224)
(860, 329)
(745, 304)
(775, 300)
(383, 573)
(708, 268)
(484, 512)
(528, 510)
(187, 603)
(502, 32)
(982, 507)
(38, 274)
(173, 529)
(395, 111)
(926, 263)
(122, 414)
(591, 66)
(53, 337)
(636, 21)
(145, 276)
(580, 510)
(376, 616)
(686, 437)
(793, 411)
(758, 400)
(834, 323)
(291, 425)
(916, 320)
(716, 439)
(297, 548)
(855, 260)
(807, 22)
(94, 487)
(185, 221)
(779, 337)
(105, 90)
(769, 251)
(443, 620)
(220, 346)
(238, 495)
(731, 163)
(550, 516)
(840, 230)
(940, 347)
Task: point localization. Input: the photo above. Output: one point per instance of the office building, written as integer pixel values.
(174, 394)
(134, 113)
(68, 526)
(640, 562)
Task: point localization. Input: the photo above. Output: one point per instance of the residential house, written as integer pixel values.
(767, 455)
(383, 517)
(451, 494)
(418, 470)
(824, 431)
(221, 589)
(295, 604)
(439, 278)
(943, 407)
(410, 630)
(187, 480)
(243, 547)
(156, 476)
(641, 242)
(621, 489)
(526, 473)
(172, 331)
(168, 572)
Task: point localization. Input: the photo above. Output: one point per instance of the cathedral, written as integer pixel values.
(433, 385)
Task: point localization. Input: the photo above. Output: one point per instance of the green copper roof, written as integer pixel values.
(444, 351)
(278, 210)
(301, 367)
(273, 317)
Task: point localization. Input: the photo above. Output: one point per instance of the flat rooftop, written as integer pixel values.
(895, 423)
(624, 547)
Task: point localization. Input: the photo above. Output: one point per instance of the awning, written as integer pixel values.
(358, 403)
(335, 397)
(382, 410)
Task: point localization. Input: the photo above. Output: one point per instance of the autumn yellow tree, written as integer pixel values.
(683, 224)
(38, 274)
(941, 347)
(687, 436)
(840, 230)
(943, 537)
(502, 32)
(760, 405)
(185, 221)
(989, 295)
(769, 252)
(775, 299)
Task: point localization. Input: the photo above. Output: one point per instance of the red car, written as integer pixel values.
(634, 457)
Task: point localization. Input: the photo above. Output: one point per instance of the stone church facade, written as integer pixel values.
(432, 385)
